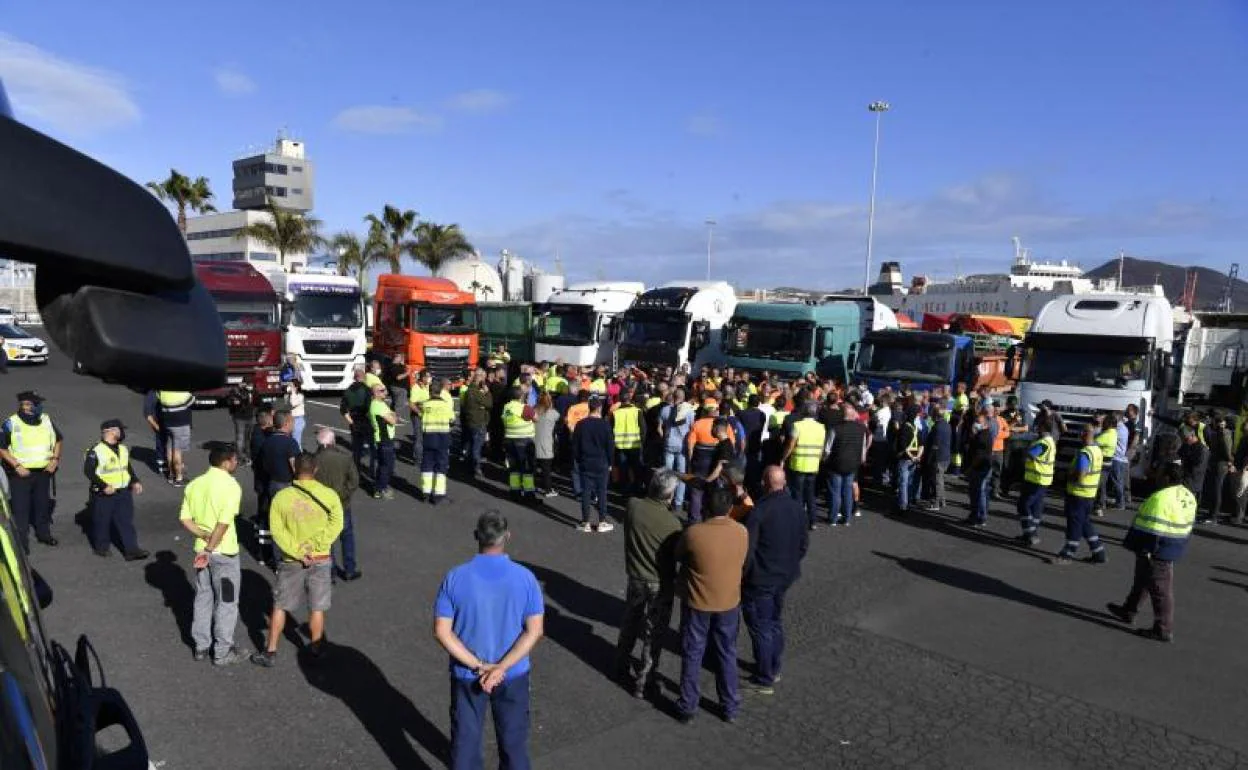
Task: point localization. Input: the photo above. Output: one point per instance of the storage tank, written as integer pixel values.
(539, 286)
(476, 276)
(511, 269)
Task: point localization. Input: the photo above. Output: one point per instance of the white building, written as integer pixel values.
(220, 237)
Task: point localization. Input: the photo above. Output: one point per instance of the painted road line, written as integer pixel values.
(334, 428)
(321, 403)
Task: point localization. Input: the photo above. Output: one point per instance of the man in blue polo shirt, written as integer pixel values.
(488, 617)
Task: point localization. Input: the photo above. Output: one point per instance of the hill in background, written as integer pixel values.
(1143, 272)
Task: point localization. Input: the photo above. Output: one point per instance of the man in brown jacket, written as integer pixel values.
(713, 556)
(336, 469)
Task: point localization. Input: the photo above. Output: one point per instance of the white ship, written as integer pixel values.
(1020, 294)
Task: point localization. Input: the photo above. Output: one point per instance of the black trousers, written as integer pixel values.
(647, 615)
(31, 499)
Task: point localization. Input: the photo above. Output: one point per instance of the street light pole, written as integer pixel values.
(879, 108)
(710, 235)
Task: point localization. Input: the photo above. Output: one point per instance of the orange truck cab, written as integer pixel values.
(430, 321)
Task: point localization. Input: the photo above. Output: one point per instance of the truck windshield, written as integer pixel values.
(566, 326)
(769, 339)
(665, 333)
(1087, 368)
(252, 315)
(442, 318)
(906, 362)
(315, 308)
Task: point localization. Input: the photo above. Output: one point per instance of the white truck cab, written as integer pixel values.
(678, 323)
(1091, 353)
(576, 325)
(323, 321)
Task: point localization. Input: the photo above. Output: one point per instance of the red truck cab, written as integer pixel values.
(250, 313)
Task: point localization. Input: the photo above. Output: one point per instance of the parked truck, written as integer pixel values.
(323, 320)
(795, 338)
(506, 323)
(428, 320)
(926, 359)
(678, 324)
(1088, 354)
(249, 312)
(578, 325)
(1213, 361)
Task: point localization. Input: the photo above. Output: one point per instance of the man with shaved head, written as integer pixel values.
(778, 539)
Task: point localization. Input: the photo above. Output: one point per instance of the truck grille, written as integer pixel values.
(327, 347)
(246, 354)
(1076, 418)
(447, 364)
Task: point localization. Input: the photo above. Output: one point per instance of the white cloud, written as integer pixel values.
(381, 119)
(482, 101)
(62, 95)
(234, 82)
(704, 125)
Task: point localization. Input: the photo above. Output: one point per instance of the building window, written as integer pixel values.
(262, 256)
(206, 234)
(296, 168)
(279, 192)
(275, 168)
(220, 256)
(296, 191)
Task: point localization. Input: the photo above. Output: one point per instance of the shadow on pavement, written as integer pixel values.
(1231, 570)
(1232, 583)
(166, 575)
(146, 456)
(386, 713)
(255, 602)
(976, 582)
(948, 525)
(569, 624)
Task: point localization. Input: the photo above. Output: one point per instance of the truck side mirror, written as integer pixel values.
(288, 309)
(827, 344)
(701, 334)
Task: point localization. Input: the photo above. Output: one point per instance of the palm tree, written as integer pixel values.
(289, 232)
(438, 244)
(395, 227)
(184, 193)
(355, 256)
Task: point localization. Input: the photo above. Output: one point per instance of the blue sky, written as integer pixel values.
(608, 132)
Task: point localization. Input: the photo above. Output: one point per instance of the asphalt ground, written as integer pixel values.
(911, 642)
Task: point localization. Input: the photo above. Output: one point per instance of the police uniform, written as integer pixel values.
(32, 442)
(518, 436)
(436, 416)
(107, 467)
(1081, 491)
(1037, 478)
(1158, 536)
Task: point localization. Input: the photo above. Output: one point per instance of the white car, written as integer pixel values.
(21, 346)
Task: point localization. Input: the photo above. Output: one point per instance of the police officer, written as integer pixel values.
(1082, 482)
(1158, 536)
(113, 486)
(436, 415)
(518, 433)
(30, 446)
(1037, 478)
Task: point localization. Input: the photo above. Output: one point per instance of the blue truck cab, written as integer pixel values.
(794, 338)
(922, 359)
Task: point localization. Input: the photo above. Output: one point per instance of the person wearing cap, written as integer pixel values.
(113, 486)
(30, 446)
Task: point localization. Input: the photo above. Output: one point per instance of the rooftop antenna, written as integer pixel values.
(558, 262)
(1122, 255)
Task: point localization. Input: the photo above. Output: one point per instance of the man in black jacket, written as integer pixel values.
(593, 448)
(779, 537)
(242, 401)
(354, 408)
(1195, 459)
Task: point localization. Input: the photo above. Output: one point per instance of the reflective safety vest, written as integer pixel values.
(32, 445)
(112, 464)
(1107, 440)
(1086, 486)
(961, 401)
(556, 384)
(1003, 433)
(1039, 470)
(436, 415)
(913, 446)
(382, 430)
(420, 394)
(811, 435)
(598, 386)
(652, 402)
(1168, 512)
(627, 427)
(514, 424)
(777, 419)
(498, 358)
(175, 400)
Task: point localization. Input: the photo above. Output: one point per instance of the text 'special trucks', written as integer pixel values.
(577, 325)
(249, 312)
(926, 359)
(1088, 354)
(428, 320)
(676, 324)
(323, 320)
(795, 338)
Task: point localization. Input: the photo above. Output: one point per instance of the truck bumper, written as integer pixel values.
(328, 373)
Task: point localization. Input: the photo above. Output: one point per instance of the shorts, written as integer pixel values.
(298, 585)
(180, 437)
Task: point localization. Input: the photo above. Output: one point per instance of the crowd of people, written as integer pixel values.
(717, 476)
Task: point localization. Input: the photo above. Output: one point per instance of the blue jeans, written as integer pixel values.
(385, 465)
(762, 608)
(802, 489)
(476, 443)
(907, 484)
(509, 705)
(1031, 507)
(1118, 482)
(300, 424)
(347, 544)
(840, 496)
(594, 483)
(980, 488)
(362, 449)
(675, 460)
(719, 629)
